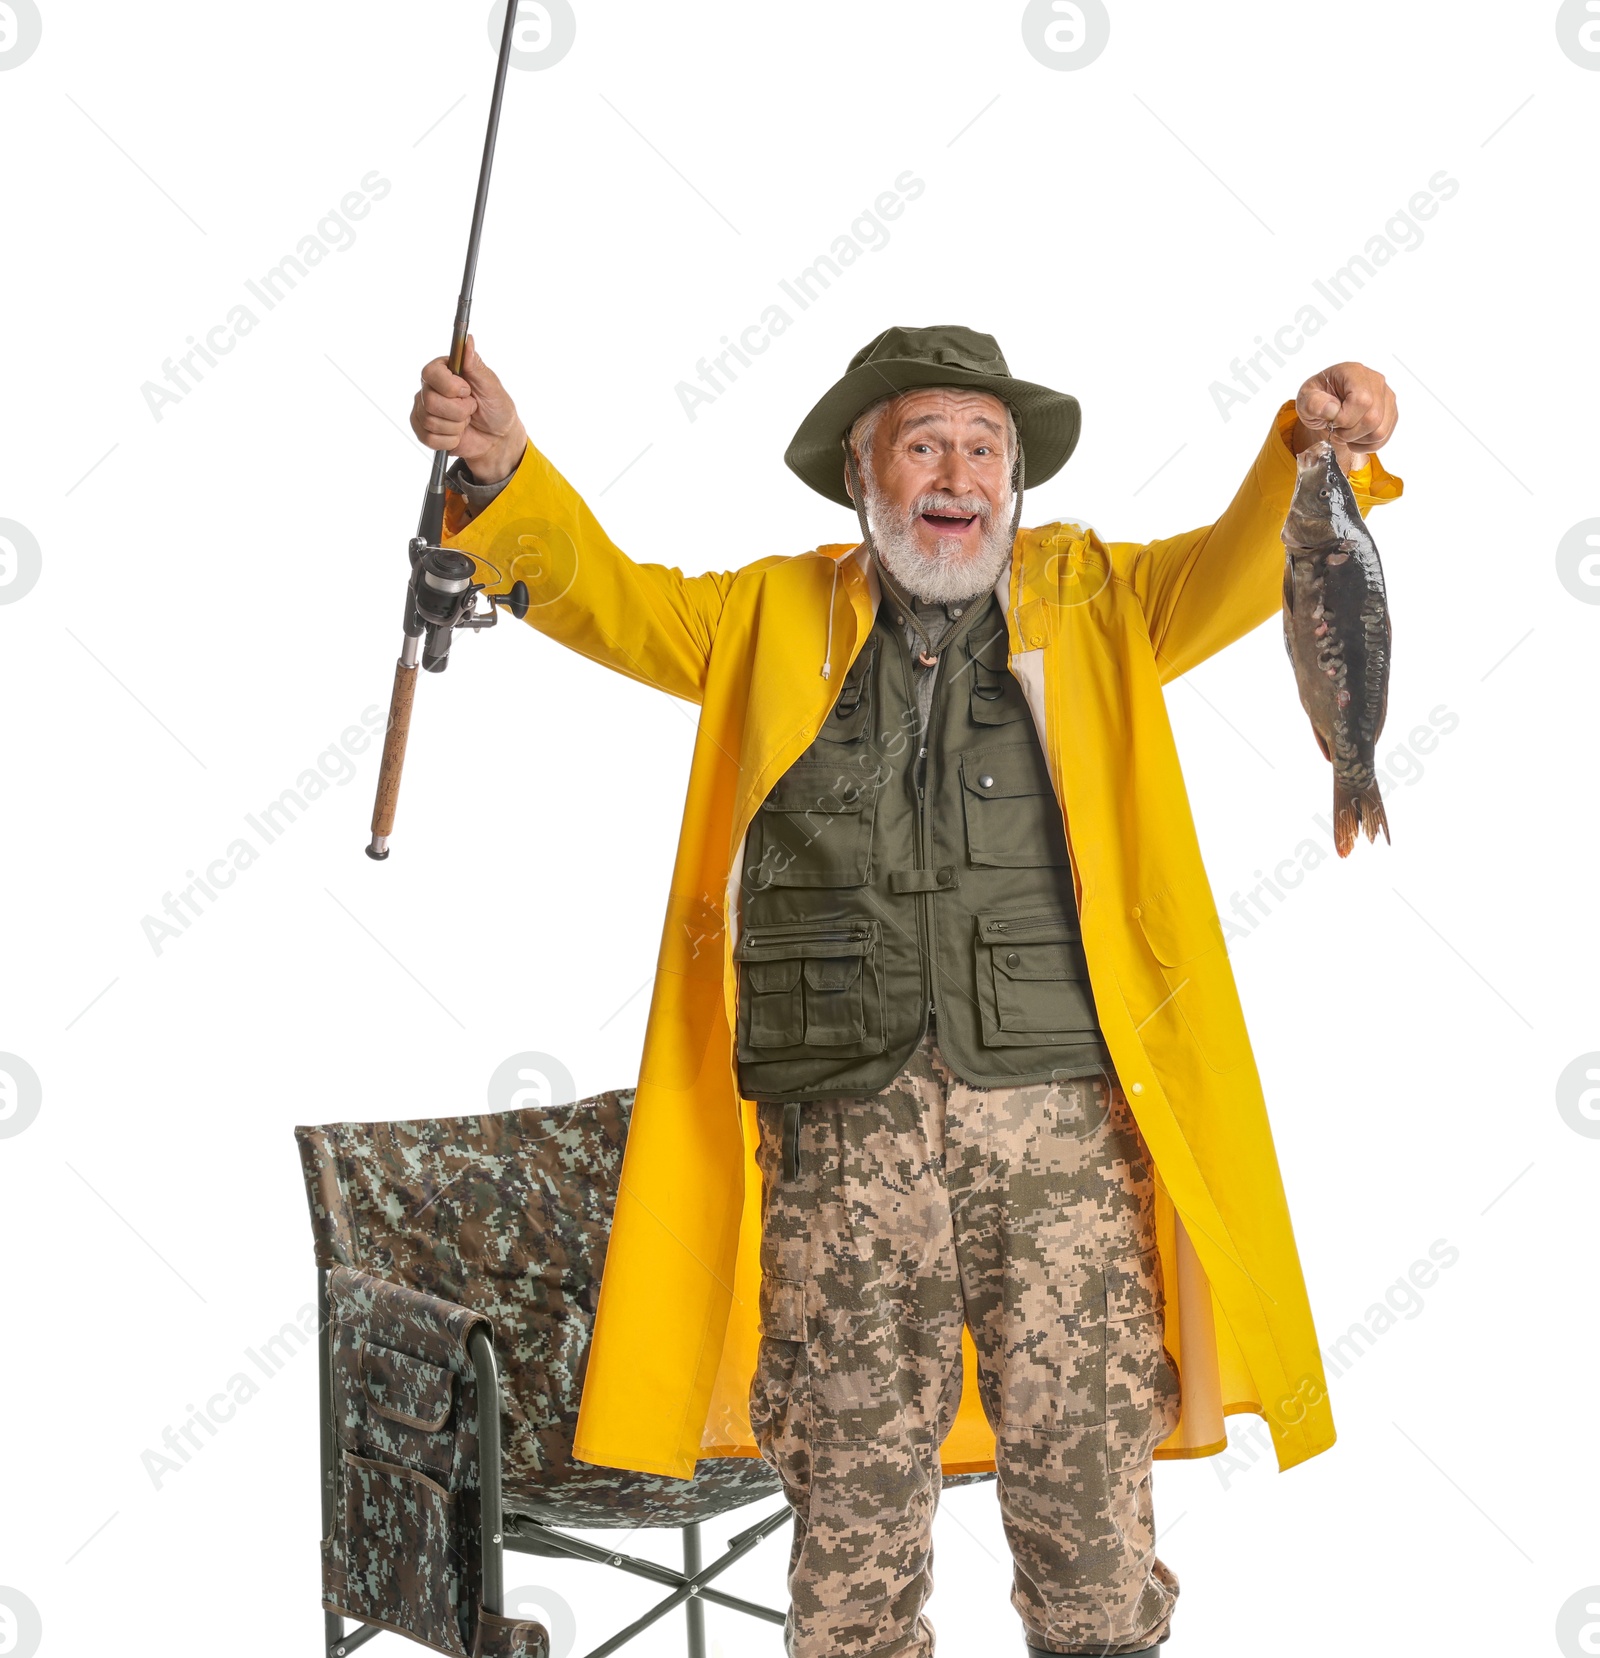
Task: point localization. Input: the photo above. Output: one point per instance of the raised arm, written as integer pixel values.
(645, 620)
(1202, 590)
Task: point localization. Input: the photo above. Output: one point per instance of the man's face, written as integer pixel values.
(938, 486)
(939, 461)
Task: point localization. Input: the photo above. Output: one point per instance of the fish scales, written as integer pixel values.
(1337, 633)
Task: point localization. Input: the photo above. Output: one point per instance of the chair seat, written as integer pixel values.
(604, 1498)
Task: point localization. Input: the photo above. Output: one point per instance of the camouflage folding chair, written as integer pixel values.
(458, 1270)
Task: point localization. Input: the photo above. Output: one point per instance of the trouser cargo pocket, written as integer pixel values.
(808, 987)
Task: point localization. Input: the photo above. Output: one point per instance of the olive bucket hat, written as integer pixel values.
(902, 359)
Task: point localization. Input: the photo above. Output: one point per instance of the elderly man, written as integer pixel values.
(939, 920)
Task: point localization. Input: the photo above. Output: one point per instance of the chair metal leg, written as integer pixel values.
(332, 1623)
(346, 1644)
(695, 1586)
(694, 1611)
(534, 1537)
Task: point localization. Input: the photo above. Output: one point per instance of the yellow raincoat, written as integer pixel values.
(1096, 629)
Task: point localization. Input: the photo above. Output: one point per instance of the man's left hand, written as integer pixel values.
(1350, 404)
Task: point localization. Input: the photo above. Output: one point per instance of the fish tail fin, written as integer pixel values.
(1355, 810)
(1373, 816)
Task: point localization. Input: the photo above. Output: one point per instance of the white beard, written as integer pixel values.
(938, 578)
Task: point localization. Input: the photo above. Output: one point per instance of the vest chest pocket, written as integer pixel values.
(1033, 981)
(814, 829)
(810, 985)
(1013, 821)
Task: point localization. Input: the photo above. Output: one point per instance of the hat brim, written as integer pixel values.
(1047, 421)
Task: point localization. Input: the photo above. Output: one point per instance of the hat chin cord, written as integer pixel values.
(858, 496)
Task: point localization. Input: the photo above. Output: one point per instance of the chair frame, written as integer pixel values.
(690, 1588)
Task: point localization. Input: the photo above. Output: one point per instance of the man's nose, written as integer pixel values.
(955, 476)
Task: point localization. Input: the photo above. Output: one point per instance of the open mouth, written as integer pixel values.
(949, 523)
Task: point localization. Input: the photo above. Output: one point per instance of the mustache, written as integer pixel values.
(962, 506)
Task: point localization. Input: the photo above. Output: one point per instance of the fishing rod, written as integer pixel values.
(441, 595)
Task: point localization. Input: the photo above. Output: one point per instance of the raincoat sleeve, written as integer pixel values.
(647, 621)
(1204, 589)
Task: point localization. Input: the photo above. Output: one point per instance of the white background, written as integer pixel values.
(220, 597)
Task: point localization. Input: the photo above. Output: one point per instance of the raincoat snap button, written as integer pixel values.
(1013, 959)
(986, 781)
(1137, 1088)
(1137, 912)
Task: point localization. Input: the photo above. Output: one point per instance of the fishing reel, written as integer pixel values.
(442, 598)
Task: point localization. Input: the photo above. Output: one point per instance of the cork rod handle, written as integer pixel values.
(394, 757)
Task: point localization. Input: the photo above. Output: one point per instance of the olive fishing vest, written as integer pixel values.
(897, 876)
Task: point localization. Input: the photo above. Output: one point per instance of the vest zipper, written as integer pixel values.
(926, 920)
(853, 935)
(1025, 924)
(925, 832)
(919, 780)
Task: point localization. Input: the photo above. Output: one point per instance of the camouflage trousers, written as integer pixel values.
(1027, 1214)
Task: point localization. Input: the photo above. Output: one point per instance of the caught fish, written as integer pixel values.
(1336, 630)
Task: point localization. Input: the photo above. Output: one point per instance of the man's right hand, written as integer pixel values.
(472, 417)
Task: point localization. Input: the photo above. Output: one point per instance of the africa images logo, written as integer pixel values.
(1066, 34)
(20, 1096)
(541, 36)
(20, 558)
(20, 1623)
(20, 32)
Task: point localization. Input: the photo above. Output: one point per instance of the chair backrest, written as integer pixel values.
(508, 1214)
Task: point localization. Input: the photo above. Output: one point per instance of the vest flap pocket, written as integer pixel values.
(406, 1390)
(1012, 819)
(766, 978)
(1003, 773)
(1037, 961)
(809, 985)
(836, 973)
(1033, 981)
(814, 829)
(814, 786)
